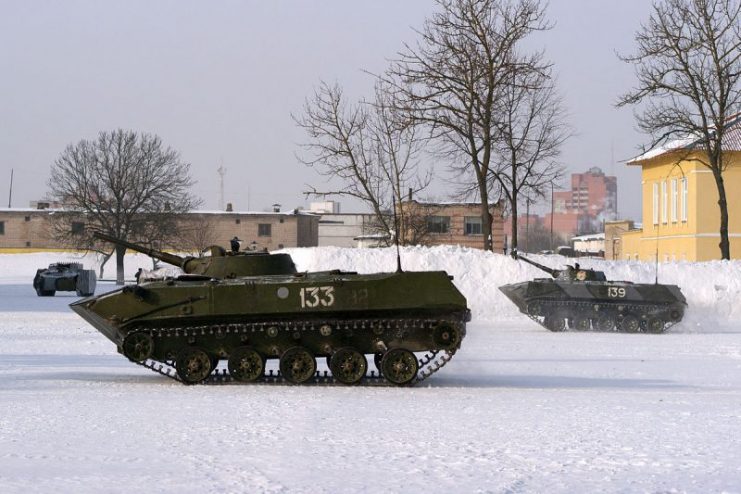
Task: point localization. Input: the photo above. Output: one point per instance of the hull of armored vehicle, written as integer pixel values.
(183, 327)
(622, 306)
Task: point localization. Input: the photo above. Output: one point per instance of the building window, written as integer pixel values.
(27, 218)
(237, 221)
(2, 228)
(473, 225)
(438, 224)
(656, 204)
(674, 200)
(664, 201)
(684, 199)
(264, 229)
(78, 228)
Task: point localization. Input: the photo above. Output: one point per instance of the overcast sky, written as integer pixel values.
(218, 81)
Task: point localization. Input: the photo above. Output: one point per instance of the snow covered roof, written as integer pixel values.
(731, 142)
(586, 238)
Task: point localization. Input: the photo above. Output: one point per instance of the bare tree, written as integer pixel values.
(688, 66)
(528, 142)
(124, 184)
(369, 146)
(453, 79)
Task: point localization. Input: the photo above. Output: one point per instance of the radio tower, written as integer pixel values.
(221, 171)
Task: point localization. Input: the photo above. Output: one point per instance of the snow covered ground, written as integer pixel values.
(519, 409)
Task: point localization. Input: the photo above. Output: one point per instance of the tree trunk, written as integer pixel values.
(120, 251)
(725, 247)
(513, 240)
(486, 218)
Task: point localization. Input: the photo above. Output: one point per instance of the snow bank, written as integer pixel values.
(712, 288)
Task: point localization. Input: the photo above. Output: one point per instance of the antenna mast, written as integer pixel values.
(221, 171)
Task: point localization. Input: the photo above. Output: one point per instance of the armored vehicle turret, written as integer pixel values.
(64, 277)
(220, 263)
(184, 327)
(583, 299)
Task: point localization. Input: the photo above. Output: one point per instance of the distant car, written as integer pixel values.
(565, 250)
(546, 252)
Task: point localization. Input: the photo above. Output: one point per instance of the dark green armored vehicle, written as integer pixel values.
(183, 327)
(64, 277)
(583, 300)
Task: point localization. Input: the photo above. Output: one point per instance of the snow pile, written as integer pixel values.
(711, 288)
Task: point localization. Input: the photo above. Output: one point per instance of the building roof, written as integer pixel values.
(731, 142)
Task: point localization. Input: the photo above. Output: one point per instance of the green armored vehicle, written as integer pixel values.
(583, 299)
(183, 327)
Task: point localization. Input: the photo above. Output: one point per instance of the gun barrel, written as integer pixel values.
(551, 271)
(157, 254)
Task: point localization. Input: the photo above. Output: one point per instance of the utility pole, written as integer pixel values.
(221, 171)
(10, 194)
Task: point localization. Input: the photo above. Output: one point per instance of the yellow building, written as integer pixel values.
(681, 219)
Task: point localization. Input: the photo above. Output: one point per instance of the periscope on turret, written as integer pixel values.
(584, 299)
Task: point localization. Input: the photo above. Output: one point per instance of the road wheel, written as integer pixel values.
(604, 322)
(138, 346)
(555, 323)
(193, 365)
(655, 325)
(581, 322)
(245, 364)
(348, 365)
(399, 366)
(630, 324)
(297, 365)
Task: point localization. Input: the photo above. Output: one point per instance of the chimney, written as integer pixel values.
(410, 194)
(229, 207)
(276, 208)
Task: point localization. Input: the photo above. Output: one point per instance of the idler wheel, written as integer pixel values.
(581, 323)
(193, 365)
(604, 322)
(245, 364)
(297, 365)
(138, 346)
(655, 325)
(348, 365)
(447, 336)
(534, 308)
(630, 324)
(399, 366)
(555, 323)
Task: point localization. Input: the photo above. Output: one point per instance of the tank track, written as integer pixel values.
(429, 363)
(571, 309)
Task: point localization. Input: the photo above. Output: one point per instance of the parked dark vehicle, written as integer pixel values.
(583, 300)
(182, 327)
(64, 277)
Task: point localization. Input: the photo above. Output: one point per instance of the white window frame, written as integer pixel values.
(674, 200)
(664, 201)
(685, 196)
(656, 203)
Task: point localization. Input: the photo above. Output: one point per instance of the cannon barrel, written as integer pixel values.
(157, 254)
(551, 271)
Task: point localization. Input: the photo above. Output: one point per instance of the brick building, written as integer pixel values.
(30, 229)
(584, 208)
(457, 223)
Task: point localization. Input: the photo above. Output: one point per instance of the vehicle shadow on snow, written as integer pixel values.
(114, 369)
(505, 381)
